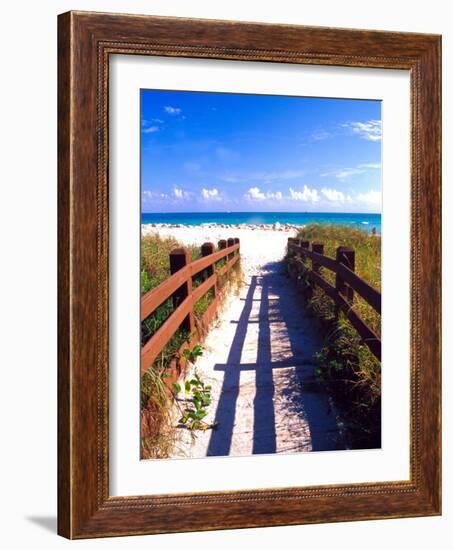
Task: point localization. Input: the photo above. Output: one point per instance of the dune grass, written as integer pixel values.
(156, 399)
(155, 263)
(367, 260)
(345, 364)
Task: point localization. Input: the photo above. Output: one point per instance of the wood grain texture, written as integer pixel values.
(85, 42)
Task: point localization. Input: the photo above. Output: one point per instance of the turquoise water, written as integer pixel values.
(365, 222)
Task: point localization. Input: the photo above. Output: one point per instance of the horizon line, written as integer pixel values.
(263, 212)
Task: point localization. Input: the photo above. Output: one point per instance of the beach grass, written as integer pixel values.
(345, 364)
(367, 261)
(155, 259)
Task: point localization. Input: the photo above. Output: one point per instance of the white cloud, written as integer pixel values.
(145, 121)
(344, 173)
(327, 196)
(172, 110)
(210, 194)
(284, 175)
(369, 198)
(307, 195)
(333, 195)
(319, 135)
(370, 130)
(180, 194)
(150, 195)
(150, 126)
(266, 177)
(150, 129)
(372, 165)
(255, 194)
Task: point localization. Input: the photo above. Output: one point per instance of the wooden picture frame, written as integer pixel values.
(85, 42)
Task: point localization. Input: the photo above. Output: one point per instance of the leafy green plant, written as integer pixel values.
(198, 400)
(192, 355)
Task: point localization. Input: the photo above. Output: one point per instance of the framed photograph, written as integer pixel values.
(249, 275)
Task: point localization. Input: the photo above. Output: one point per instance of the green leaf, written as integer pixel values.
(176, 387)
(187, 386)
(197, 350)
(206, 400)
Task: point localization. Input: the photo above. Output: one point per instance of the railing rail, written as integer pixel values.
(347, 282)
(178, 287)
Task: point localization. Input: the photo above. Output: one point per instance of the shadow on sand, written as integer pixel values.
(280, 313)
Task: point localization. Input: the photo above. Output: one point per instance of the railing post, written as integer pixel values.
(206, 250)
(230, 242)
(304, 244)
(237, 241)
(222, 244)
(179, 258)
(345, 256)
(291, 253)
(319, 249)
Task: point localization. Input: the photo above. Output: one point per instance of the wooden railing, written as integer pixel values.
(178, 287)
(346, 283)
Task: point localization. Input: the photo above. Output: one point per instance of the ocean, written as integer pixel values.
(365, 222)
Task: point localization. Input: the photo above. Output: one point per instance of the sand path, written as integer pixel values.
(258, 360)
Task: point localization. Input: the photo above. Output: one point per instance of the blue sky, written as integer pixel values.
(212, 152)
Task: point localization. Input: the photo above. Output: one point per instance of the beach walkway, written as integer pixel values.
(258, 358)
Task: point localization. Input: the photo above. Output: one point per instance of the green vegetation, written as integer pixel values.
(156, 397)
(158, 434)
(198, 401)
(345, 364)
(155, 264)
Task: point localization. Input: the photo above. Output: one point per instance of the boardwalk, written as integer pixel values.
(258, 359)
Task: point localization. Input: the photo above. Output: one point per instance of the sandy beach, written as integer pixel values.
(260, 245)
